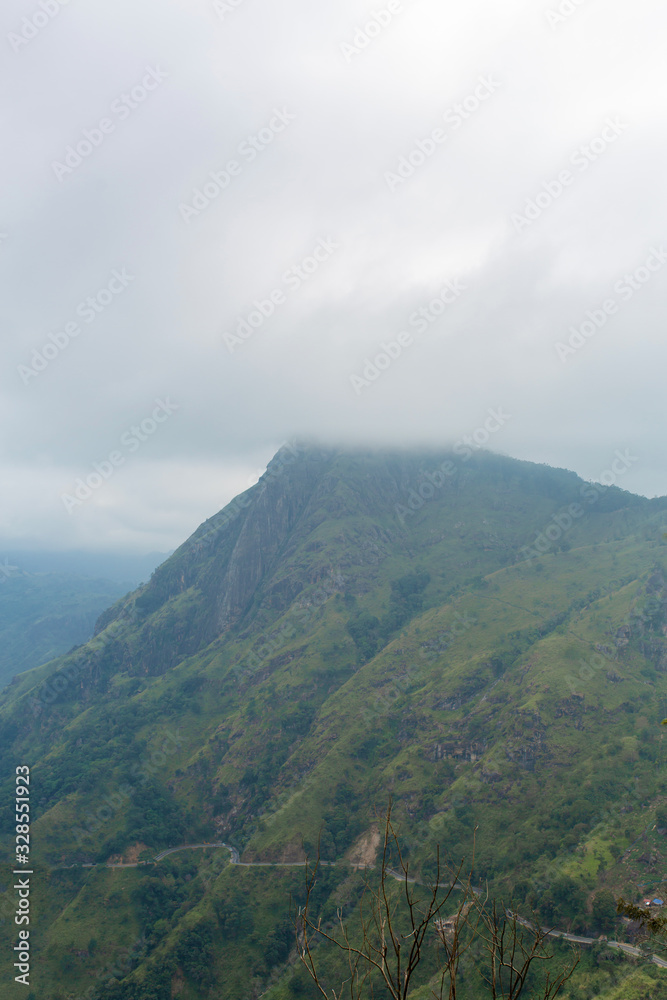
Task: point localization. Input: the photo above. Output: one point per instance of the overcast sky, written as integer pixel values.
(471, 196)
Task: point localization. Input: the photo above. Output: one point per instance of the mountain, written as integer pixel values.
(121, 568)
(50, 601)
(42, 615)
(482, 639)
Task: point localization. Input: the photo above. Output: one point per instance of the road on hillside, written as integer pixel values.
(628, 949)
(235, 859)
(192, 847)
(158, 857)
(576, 938)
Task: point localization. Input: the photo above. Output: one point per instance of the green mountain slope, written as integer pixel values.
(357, 625)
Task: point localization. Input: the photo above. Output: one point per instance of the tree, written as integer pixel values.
(661, 817)
(653, 924)
(384, 948)
(604, 911)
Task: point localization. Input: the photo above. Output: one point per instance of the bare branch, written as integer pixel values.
(382, 953)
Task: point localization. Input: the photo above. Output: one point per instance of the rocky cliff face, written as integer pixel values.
(213, 579)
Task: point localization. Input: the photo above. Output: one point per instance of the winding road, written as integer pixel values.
(578, 939)
(235, 859)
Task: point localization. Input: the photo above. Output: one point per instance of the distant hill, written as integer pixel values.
(50, 601)
(121, 568)
(480, 638)
(44, 615)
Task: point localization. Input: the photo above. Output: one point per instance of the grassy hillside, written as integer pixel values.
(354, 627)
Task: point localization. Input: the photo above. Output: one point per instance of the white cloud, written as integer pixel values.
(324, 176)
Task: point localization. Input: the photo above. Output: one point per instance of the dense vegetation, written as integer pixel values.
(338, 636)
